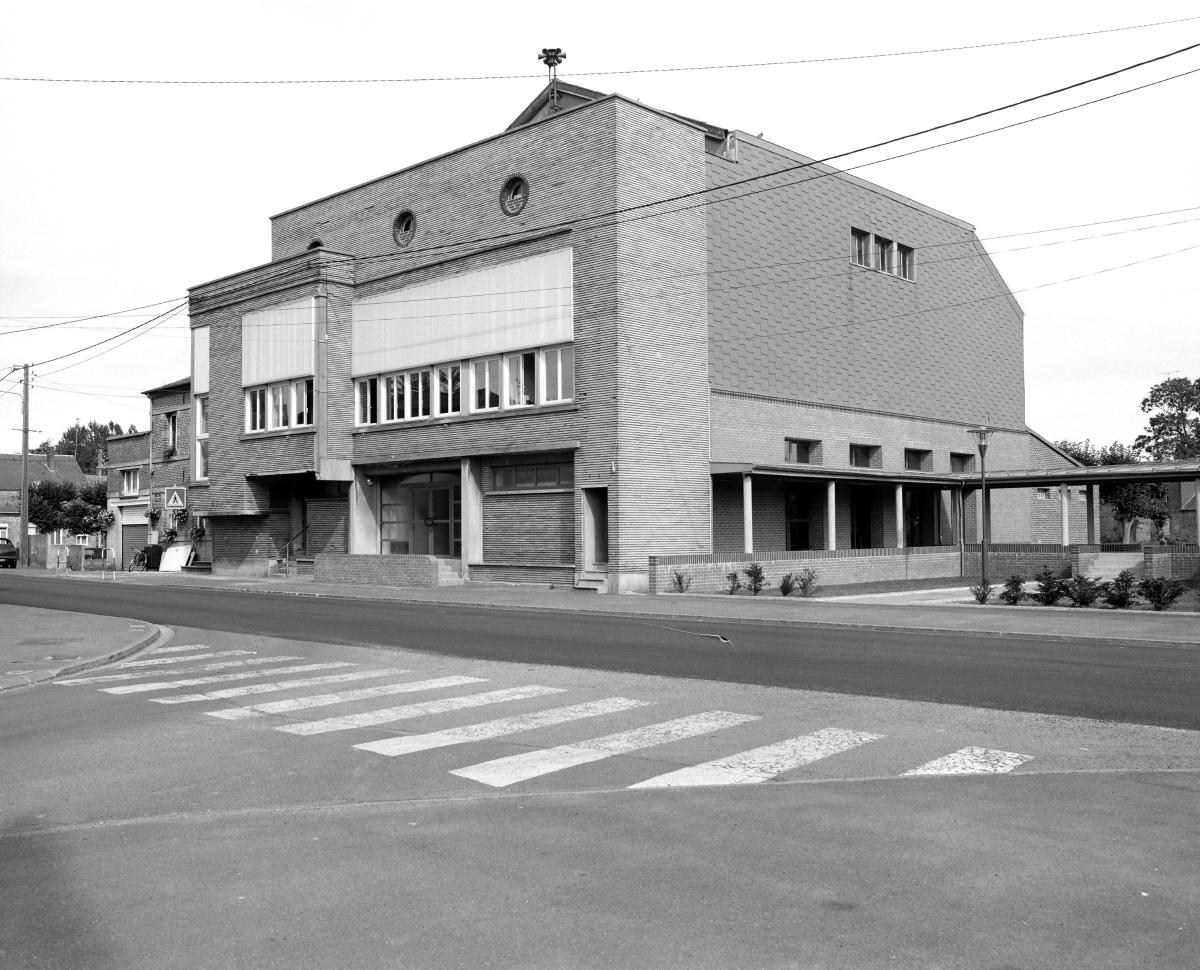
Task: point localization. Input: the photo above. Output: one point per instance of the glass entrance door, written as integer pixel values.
(421, 515)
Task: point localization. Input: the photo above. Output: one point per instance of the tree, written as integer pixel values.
(1129, 501)
(61, 505)
(87, 442)
(1173, 432)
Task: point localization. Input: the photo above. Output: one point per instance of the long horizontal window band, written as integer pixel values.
(504, 382)
(280, 406)
(529, 478)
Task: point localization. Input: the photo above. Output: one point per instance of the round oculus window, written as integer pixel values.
(404, 227)
(514, 195)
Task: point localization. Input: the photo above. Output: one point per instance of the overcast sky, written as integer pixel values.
(114, 196)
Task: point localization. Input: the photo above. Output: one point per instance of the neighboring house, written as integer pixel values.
(52, 467)
(517, 357)
(142, 465)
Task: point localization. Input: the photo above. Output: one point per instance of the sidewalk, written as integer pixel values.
(942, 610)
(38, 645)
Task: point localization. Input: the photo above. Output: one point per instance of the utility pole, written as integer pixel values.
(24, 526)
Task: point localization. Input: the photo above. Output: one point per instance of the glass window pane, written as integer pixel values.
(493, 373)
(525, 477)
(567, 369)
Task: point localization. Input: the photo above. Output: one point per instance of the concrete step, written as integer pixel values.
(592, 580)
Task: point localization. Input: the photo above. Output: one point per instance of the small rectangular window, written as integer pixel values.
(281, 400)
(302, 402)
(130, 481)
(917, 460)
(904, 262)
(961, 464)
(487, 384)
(202, 458)
(449, 390)
(202, 416)
(521, 379)
(172, 431)
(418, 393)
(883, 254)
(800, 451)
(368, 401)
(860, 247)
(863, 456)
(256, 409)
(1043, 494)
(559, 375)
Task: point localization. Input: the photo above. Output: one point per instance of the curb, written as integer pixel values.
(692, 618)
(155, 634)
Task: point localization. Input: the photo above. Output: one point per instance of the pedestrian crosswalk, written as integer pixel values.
(553, 740)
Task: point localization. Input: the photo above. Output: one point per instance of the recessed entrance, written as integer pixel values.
(421, 515)
(595, 528)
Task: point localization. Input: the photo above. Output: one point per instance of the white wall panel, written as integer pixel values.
(200, 360)
(526, 303)
(278, 343)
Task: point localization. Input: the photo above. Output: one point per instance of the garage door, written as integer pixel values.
(133, 538)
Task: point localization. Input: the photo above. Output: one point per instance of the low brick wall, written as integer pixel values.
(369, 570)
(833, 567)
(1027, 559)
(1173, 562)
(550, 575)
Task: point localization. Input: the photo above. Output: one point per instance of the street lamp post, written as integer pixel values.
(981, 437)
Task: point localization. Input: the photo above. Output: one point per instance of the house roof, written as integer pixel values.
(65, 469)
(179, 385)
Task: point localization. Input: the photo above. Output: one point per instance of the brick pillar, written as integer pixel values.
(1064, 507)
(1091, 514)
(899, 516)
(831, 515)
(747, 514)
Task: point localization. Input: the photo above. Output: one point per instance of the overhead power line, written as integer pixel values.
(612, 73)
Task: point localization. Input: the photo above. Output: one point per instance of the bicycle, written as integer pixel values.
(138, 563)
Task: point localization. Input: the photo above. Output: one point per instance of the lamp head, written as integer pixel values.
(981, 437)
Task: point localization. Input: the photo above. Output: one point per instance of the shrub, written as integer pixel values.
(734, 583)
(757, 580)
(1161, 592)
(1014, 590)
(1083, 590)
(787, 584)
(806, 581)
(982, 592)
(680, 581)
(1119, 593)
(1050, 587)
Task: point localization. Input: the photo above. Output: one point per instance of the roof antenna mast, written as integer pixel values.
(552, 57)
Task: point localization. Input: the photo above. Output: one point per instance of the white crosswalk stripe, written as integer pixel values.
(759, 764)
(278, 685)
(142, 675)
(390, 715)
(521, 767)
(973, 761)
(164, 661)
(500, 727)
(182, 648)
(218, 679)
(342, 697)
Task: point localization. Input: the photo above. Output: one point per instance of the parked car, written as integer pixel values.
(8, 554)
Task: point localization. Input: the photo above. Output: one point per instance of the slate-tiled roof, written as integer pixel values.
(65, 469)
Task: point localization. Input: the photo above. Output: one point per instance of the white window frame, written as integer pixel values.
(200, 403)
(903, 265)
(860, 247)
(131, 481)
(273, 407)
(366, 401)
(557, 374)
(418, 400)
(487, 389)
(444, 377)
(883, 252)
(303, 402)
(172, 430)
(518, 385)
(256, 409)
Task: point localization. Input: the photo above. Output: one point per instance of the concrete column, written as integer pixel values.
(747, 514)
(831, 515)
(1091, 514)
(899, 516)
(1064, 505)
(472, 511)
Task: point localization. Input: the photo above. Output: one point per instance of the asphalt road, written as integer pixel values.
(140, 835)
(1147, 684)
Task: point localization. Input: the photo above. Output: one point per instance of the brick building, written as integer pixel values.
(42, 468)
(605, 333)
(142, 465)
